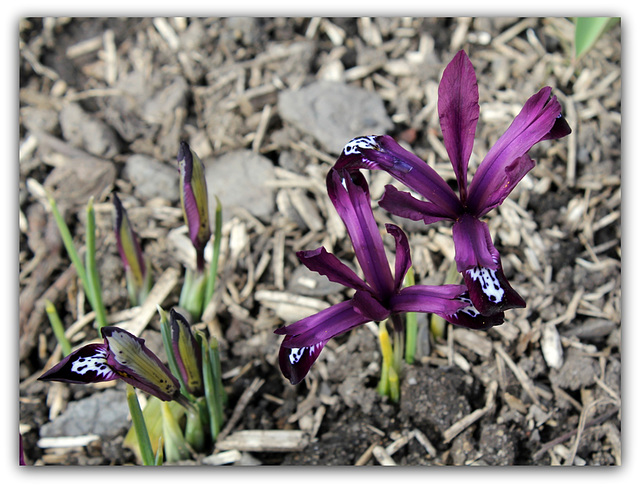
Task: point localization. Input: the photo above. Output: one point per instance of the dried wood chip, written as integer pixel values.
(67, 441)
(265, 440)
(383, 457)
(551, 346)
(223, 458)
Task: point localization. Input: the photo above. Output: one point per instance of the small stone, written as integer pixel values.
(151, 178)
(87, 132)
(104, 414)
(334, 113)
(578, 371)
(238, 180)
(593, 329)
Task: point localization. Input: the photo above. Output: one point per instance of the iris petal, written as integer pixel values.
(350, 197)
(459, 111)
(470, 317)
(404, 166)
(86, 365)
(323, 326)
(327, 264)
(403, 254)
(473, 244)
(188, 353)
(136, 364)
(403, 204)
(295, 362)
(490, 291)
(534, 123)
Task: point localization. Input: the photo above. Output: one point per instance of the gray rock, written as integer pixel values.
(88, 132)
(104, 414)
(578, 371)
(36, 118)
(151, 178)
(237, 179)
(334, 113)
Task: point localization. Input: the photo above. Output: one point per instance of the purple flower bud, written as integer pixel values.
(194, 200)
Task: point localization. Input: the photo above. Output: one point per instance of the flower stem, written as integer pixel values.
(192, 293)
(438, 324)
(411, 324)
(140, 427)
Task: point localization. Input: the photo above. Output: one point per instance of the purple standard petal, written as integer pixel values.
(323, 326)
(134, 363)
(403, 254)
(403, 204)
(86, 365)
(295, 362)
(382, 152)
(350, 197)
(327, 264)
(459, 111)
(473, 244)
(539, 118)
(504, 183)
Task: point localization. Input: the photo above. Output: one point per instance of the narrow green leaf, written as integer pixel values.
(67, 239)
(209, 388)
(140, 427)
(93, 278)
(213, 268)
(175, 446)
(588, 30)
(153, 418)
(58, 327)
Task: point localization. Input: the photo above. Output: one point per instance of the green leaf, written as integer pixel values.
(91, 268)
(153, 418)
(144, 449)
(58, 327)
(588, 30)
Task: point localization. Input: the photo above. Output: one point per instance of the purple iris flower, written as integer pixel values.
(379, 296)
(121, 356)
(506, 163)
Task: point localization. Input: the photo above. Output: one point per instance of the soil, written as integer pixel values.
(97, 94)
